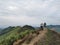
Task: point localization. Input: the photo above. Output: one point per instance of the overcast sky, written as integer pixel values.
(32, 12)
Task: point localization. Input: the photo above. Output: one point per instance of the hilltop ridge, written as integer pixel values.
(26, 36)
(46, 37)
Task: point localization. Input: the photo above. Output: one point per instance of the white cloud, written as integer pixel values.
(12, 8)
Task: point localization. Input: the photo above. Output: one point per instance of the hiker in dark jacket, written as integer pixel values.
(41, 27)
(44, 24)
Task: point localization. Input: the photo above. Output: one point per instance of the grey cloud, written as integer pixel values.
(36, 11)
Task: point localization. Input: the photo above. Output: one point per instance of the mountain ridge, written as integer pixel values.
(29, 36)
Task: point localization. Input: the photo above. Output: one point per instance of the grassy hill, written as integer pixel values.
(27, 35)
(11, 34)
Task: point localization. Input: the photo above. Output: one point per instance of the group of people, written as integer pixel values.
(42, 26)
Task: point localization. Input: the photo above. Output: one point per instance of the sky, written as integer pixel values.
(31, 12)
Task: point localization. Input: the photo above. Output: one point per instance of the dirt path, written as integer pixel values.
(36, 39)
(19, 42)
(24, 43)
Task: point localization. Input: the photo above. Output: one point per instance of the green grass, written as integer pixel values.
(13, 35)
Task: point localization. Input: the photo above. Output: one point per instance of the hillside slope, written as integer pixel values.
(26, 36)
(11, 34)
(51, 38)
(45, 37)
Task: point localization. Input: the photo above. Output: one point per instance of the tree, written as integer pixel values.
(28, 27)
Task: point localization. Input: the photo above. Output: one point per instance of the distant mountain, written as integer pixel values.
(50, 26)
(54, 27)
(0, 29)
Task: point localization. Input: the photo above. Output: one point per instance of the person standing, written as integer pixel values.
(41, 26)
(44, 24)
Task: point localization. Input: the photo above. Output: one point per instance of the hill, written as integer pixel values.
(6, 30)
(27, 35)
(12, 34)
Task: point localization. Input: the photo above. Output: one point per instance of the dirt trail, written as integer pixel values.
(36, 39)
(19, 42)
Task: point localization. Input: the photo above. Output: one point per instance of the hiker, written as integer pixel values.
(44, 24)
(41, 27)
